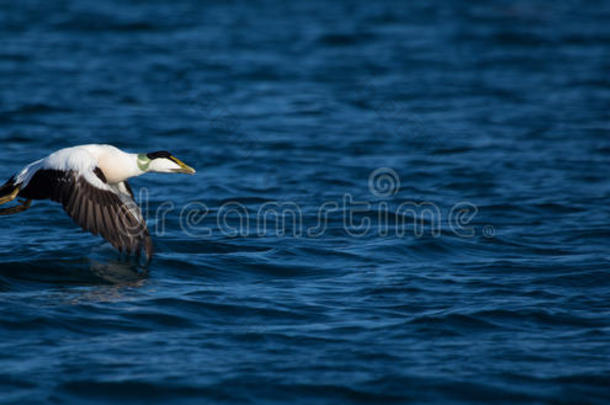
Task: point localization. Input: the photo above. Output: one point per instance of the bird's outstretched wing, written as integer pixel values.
(100, 208)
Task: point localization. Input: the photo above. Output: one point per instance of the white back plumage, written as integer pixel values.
(116, 165)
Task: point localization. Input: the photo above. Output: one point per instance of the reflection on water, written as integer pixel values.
(119, 272)
(122, 279)
(51, 283)
(47, 272)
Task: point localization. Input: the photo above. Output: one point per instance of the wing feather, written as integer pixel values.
(103, 209)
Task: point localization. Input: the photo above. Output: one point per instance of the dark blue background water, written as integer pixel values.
(501, 105)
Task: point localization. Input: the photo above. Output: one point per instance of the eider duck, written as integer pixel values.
(90, 181)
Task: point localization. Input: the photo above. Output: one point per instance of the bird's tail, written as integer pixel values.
(7, 190)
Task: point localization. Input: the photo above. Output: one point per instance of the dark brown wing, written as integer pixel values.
(104, 211)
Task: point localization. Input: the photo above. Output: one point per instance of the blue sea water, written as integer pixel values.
(493, 116)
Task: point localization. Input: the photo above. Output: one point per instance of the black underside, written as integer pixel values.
(49, 183)
(45, 184)
(7, 187)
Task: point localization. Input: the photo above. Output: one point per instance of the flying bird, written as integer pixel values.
(90, 182)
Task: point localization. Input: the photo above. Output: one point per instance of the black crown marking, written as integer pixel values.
(159, 154)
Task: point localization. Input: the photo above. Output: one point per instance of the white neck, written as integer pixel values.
(119, 166)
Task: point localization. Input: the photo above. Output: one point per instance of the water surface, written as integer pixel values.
(501, 106)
